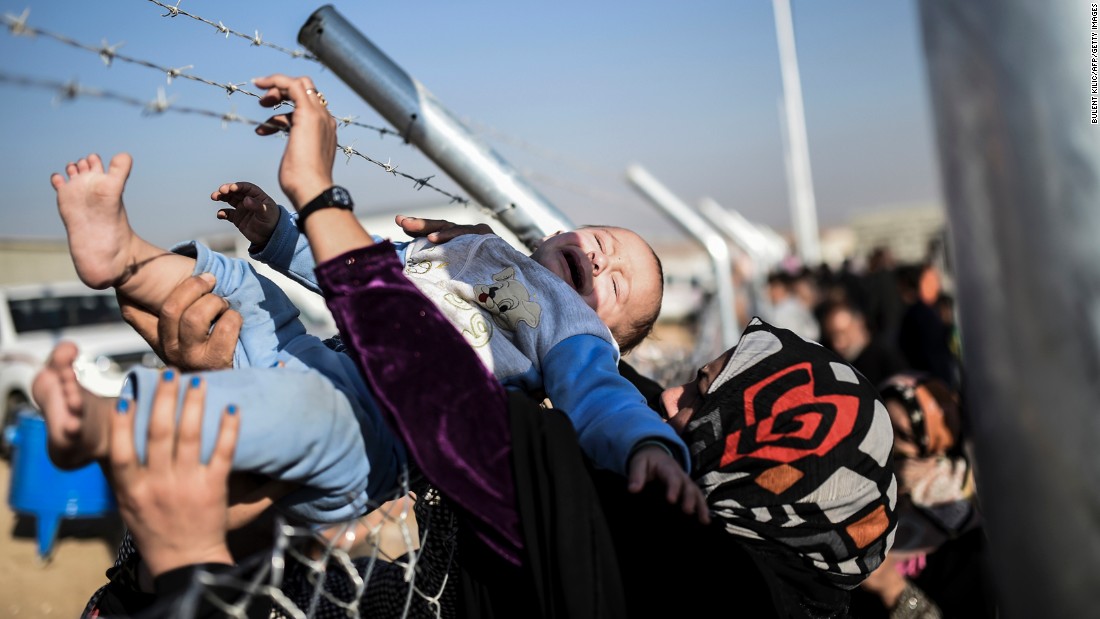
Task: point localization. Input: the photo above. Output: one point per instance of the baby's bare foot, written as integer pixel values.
(75, 419)
(90, 202)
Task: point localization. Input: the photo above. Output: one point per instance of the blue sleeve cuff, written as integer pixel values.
(278, 252)
(653, 443)
(581, 376)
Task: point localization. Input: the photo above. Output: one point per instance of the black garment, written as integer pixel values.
(176, 595)
(596, 550)
(956, 577)
(672, 566)
(173, 587)
(117, 600)
(570, 566)
(884, 306)
(649, 388)
(924, 341)
(878, 362)
(854, 288)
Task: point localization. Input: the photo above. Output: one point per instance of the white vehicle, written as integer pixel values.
(34, 318)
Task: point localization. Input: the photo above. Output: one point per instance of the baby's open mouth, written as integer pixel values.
(575, 272)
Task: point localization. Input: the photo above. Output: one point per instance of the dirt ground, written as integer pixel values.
(84, 549)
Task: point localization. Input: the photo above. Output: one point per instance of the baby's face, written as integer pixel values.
(613, 269)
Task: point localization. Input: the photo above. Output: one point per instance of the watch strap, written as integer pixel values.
(333, 197)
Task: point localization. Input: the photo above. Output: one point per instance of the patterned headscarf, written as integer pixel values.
(792, 446)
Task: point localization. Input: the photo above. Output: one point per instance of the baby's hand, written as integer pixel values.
(653, 462)
(254, 212)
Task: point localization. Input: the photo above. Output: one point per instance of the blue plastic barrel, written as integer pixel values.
(40, 489)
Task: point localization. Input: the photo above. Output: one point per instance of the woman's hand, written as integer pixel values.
(175, 506)
(306, 169)
(182, 334)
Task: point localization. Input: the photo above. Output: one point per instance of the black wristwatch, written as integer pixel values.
(333, 197)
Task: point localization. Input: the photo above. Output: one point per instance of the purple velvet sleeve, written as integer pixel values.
(446, 406)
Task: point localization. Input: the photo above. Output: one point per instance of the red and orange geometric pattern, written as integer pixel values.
(792, 445)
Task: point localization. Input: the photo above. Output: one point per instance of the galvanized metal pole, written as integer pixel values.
(736, 228)
(694, 225)
(803, 204)
(748, 238)
(423, 121)
(1020, 159)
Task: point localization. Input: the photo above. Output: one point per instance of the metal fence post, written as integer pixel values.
(694, 225)
(741, 231)
(1021, 168)
(803, 204)
(423, 121)
(750, 240)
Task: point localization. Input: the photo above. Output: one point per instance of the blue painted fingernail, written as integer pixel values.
(195, 382)
(232, 409)
(169, 375)
(122, 406)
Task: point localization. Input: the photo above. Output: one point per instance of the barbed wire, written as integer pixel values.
(18, 26)
(418, 182)
(108, 53)
(68, 91)
(480, 127)
(255, 39)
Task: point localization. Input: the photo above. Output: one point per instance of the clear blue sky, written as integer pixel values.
(688, 89)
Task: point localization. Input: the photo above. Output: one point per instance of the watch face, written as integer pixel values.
(340, 196)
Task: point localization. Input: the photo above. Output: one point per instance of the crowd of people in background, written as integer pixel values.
(896, 324)
(884, 320)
